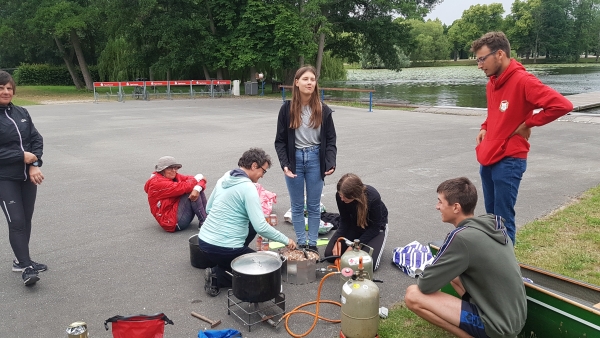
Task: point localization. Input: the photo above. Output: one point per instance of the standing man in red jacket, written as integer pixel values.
(174, 198)
(502, 143)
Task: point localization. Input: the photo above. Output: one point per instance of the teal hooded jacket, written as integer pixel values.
(232, 205)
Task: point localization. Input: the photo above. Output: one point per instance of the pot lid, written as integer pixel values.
(256, 263)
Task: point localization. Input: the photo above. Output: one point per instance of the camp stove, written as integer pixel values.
(251, 314)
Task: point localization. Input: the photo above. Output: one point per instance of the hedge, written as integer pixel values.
(48, 75)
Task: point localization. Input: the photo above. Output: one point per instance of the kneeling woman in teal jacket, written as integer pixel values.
(233, 208)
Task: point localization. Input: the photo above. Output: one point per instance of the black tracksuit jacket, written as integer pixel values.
(17, 135)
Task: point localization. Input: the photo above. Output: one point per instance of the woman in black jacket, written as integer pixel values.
(363, 216)
(21, 148)
(305, 144)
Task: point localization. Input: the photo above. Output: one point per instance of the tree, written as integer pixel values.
(429, 41)
(64, 19)
(19, 41)
(523, 27)
(474, 22)
(584, 15)
(557, 27)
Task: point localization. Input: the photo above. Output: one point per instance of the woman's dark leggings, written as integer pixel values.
(377, 243)
(17, 199)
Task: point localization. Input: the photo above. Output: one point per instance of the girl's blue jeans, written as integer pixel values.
(308, 171)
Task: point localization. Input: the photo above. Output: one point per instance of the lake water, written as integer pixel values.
(461, 86)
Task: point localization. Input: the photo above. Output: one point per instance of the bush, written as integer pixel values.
(332, 68)
(48, 75)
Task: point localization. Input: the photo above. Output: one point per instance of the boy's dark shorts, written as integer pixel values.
(470, 322)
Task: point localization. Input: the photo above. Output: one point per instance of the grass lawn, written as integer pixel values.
(32, 95)
(566, 242)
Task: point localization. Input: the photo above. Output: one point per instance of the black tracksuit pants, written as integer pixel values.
(17, 199)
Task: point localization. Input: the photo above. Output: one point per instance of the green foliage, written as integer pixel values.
(117, 61)
(428, 40)
(332, 68)
(475, 21)
(43, 74)
(194, 39)
(371, 60)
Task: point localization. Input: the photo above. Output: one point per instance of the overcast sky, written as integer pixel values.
(450, 10)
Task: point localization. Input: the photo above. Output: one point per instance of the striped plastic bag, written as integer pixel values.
(412, 258)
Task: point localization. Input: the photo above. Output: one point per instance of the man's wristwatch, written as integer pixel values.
(35, 164)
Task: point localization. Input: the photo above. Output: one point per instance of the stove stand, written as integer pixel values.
(253, 313)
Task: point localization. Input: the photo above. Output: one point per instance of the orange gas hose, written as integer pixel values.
(318, 301)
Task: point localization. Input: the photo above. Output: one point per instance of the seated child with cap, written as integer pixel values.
(174, 198)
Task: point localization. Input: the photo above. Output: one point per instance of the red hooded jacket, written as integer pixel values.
(164, 195)
(511, 99)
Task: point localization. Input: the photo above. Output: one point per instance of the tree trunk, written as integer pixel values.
(301, 61)
(69, 64)
(206, 72)
(210, 19)
(320, 54)
(535, 55)
(87, 77)
(598, 50)
(456, 55)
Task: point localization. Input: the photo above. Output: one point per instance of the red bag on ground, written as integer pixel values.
(138, 326)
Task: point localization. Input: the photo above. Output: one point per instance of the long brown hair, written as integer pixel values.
(352, 187)
(316, 116)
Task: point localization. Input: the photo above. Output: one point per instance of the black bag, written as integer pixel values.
(331, 218)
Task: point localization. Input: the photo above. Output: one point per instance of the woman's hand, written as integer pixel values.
(29, 157)
(291, 244)
(35, 175)
(194, 195)
(330, 171)
(288, 172)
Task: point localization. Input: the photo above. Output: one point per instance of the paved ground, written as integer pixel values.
(107, 256)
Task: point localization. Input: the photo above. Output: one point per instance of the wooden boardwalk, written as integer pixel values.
(585, 101)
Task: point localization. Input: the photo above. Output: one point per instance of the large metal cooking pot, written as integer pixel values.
(256, 277)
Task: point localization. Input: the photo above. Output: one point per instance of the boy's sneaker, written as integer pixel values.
(30, 276)
(313, 248)
(18, 267)
(210, 283)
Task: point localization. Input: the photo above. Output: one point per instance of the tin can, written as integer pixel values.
(258, 243)
(273, 219)
(77, 330)
(265, 245)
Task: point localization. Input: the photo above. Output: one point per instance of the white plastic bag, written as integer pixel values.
(413, 258)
